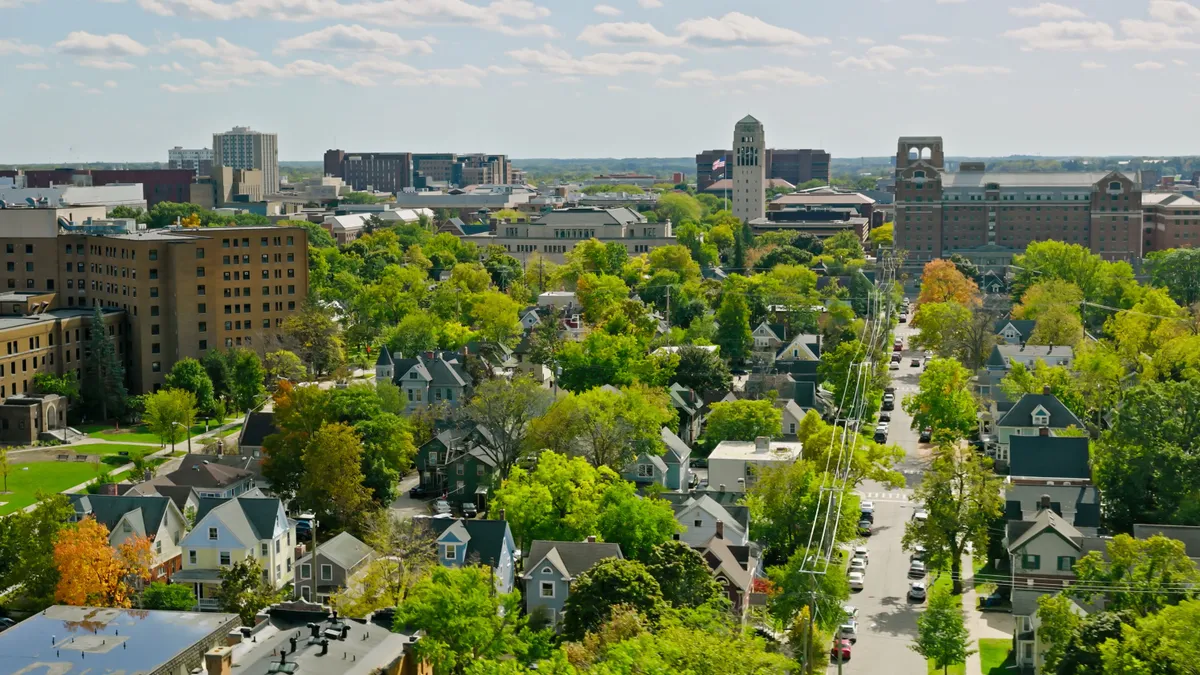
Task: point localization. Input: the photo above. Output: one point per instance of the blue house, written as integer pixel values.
(669, 469)
(462, 541)
(552, 566)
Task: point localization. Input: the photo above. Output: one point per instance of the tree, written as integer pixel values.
(1063, 385)
(600, 295)
(64, 385)
(743, 420)
(942, 282)
(246, 379)
(407, 550)
(682, 574)
(944, 400)
(27, 543)
(494, 316)
(5, 468)
(1058, 325)
(1141, 576)
(638, 524)
(678, 207)
(963, 497)
(609, 428)
(170, 414)
(314, 336)
(609, 583)
(175, 597)
(1160, 643)
(783, 502)
(190, 375)
(545, 339)
(103, 387)
(1178, 270)
(558, 500)
(1059, 623)
(93, 573)
(939, 324)
(332, 485)
(965, 267)
(244, 591)
(795, 588)
(733, 331)
(702, 370)
(883, 235)
(507, 409)
(283, 365)
(603, 358)
(1042, 297)
(299, 413)
(942, 635)
(462, 617)
(216, 364)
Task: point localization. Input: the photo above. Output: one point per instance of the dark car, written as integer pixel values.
(420, 492)
(303, 529)
(867, 516)
(885, 417)
(698, 462)
(996, 599)
(896, 358)
(903, 318)
(469, 510)
(864, 528)
(926, 434)
(6, 623)
(916, 363)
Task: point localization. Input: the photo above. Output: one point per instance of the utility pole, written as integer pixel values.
(668, 315)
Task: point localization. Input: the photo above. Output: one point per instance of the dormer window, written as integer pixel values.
(1114, 186)
(1040, 419)
(451, 552)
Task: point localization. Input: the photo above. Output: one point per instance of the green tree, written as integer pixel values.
(944, 400)
(1042, 297)
(27, 548)
(299, 413)
(678, 207)
(783, 502)
(608, 427)
(942, 635)
(494, 316)
(332, 485)
(64, 385)
(246, 379)
(609, 583)
(1063, 385)
(963, 497)
(175, 597)
(637, 524)
(796, 588)
(733, 327)
(1058, 625)
(702, 370)
(545, 339)
(317, 236)
(283, 365)
(883, 235)
(170, 414)
(1163, 643)
(559, 500)
(216, 364)
(600, 295)
(1178, 270)
(314, 336)
(103, 386)
(839, 366)
(244, 591)
(507, 409)
(1141, 576)
(407, 551)
(190, 375)
(682, 575)
(743, 420)
(1058, 325)
(603, 358)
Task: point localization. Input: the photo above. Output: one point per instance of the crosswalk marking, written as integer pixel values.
(900, 496)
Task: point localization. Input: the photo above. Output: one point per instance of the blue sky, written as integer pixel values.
(123, 80)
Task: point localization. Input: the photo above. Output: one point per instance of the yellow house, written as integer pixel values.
(232, 529)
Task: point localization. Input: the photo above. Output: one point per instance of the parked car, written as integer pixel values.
(996, 599)
(903, 318)
(869, 517)
(6, 623)
(840, 651)
(867, 507)
(441, 507)
(916, 568)
(856, 580)
(917, 591)
(898, 346)
(894, 365)
(918, 553)
(851, 611)
(420, 492)
(896, 358)
(926, 434)
(921, 515)
(881, 434)
(889, 402)
(849, 631)
(916, 363)
(864, 527)
(861, 552)
(885, 417)
(698, 462)
(858, 565)
(469, 510)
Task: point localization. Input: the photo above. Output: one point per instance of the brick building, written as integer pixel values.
(158, 185)
(793, 166)
(384, 171)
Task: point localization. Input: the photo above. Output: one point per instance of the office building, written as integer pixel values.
(821, 212)
(243, 148)
(1171, 220)
(454, 170)
(157, 185)
(749, 170)
(228, 186)
(182, 291)
(554, 233)
(381, 171)
(988, 216)
(794, 166)
(199, 160)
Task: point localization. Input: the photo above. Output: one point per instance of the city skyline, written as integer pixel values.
(1019, 76)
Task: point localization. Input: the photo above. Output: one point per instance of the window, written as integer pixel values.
(200, 272)
(158, 546)
(306, 571)
(212, 533)
(1031, 562)
(154, 254)
(199, 253)
(326, 572)
(1066, 563)
(460, 469)
(698, 523)
(645, 471)
(225, 558)
(1041, 419)
(547, 589)
(264, 549)
(451, 552)
(192, 557)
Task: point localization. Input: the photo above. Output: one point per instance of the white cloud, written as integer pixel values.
(94, 91)
(617, 87)
(630, 33)
(606, 10)
(925, 38)
(507, 70)
(173, 67)
(959, 69)
(354, 38)
(114, 44)
(770, 74)
(31, 66)
(205, 84)
(242, 68)
(670, 84)
(11, 4)
(43, 86)
(1047, 10)
(1092, 65)
(1149, 65)
(878, 58)
(740, 30)
(865, 63)
(1174, 11)
(220, 49)
(1179, 62)
(551, 59)
(465, 76)
(865, 41)
(950, 2)
(104, 64)
(701, 75)
(77, 84)
(511, 17)
(650, 4)
(1082, 35)
(111, 84)
(18, 47)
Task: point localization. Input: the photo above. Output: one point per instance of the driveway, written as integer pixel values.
(405, 506)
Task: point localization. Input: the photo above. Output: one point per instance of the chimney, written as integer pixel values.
(720, 529)
(1044, 504)
(762, 444)
(147, 475)
(1043, 431)
(219, 661)
(300, 551)
(721, 488)
(429, 356)
(1045, 390)
(592, 538)
(109, 489)
(500, 512)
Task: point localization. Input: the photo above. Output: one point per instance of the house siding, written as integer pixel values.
(534, 601)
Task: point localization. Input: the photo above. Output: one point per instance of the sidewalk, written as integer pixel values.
(980, 624)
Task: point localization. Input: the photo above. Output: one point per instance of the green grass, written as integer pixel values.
(956, 669)
(101, 449)
(995, 655)
(989, 573)
(940, 582)
(231, 430)
(27, 480)
(135, 434)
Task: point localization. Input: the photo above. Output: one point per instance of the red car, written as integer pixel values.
(841, 649)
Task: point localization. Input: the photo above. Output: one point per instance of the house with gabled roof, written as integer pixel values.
(801, 347)
(155, 517)
(469, 541)
(690, 407)
(207, 475)
(702, 517)
(334, 564)
(1015, 331)
(669, 469)
(232, 529)
(453, 464)
(552, 566)
(1003, 356)
(254, 432)
(1033, 415)
(426, 378)
(734, 566)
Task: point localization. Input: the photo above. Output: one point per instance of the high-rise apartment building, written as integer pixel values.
(794, 166)
(199, 160)
(988, 216)
(183, 291)
(749, 172)
(243, 148)
(382, 171)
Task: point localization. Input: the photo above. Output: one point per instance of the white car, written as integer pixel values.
(921, 516)
(861, 552)
(848, 631)
(893, 366)
(858, 565)
(851, 611)
(857, 580)
(916, 568)
(917, 591)
(867, 507)
(918, 553)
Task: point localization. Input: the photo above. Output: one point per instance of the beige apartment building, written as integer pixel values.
(180, 292)
(554, 233)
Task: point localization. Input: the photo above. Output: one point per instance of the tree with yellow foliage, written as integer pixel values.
(191, 220)
(90, 572)
(942, 282)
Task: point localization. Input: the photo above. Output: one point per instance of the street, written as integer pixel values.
(887, 620)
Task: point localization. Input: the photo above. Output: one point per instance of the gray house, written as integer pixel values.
(1034, 415)
(552, 566)
(337, 561)
(669, 469)
(1015, 331)
(425, 379)
(463, 541)
(702, 517)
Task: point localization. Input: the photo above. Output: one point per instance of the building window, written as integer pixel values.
(645, 470)
(192, 557)
(451, 552)
(1066, 563)
(225, 559)
(199, 271)
(326, 572)
(1031, 562)
(305, 571)
(547, 589)
(264, 549)
(212, 534)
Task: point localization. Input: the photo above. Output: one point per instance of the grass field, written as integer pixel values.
(27, 480)
(136, 434)
(231, 431)
(956, 669)
(995, 655)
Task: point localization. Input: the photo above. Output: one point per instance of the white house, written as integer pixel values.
(734, 465)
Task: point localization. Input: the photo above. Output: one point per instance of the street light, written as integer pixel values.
(187, 430)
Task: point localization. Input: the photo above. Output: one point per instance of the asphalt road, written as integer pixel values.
(887, 620)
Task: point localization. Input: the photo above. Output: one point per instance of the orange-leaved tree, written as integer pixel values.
(942, 282)
(90, 572)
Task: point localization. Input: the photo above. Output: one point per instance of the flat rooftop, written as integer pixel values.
(368, 646)
(778, 451)
(78, 640)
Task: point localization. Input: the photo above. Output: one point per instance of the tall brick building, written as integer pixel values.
(988, 216)
(158, 185)
(794, 166)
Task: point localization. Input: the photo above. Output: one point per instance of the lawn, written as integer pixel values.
(139, 433)
(26, 480)
(995, 655)
(956, 669)
(231, 430)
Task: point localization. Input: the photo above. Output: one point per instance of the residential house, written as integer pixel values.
(768, 338)
(468, 541)
(552, 566)
(254, 432)
(529, 318)
(1003, 356)
(669, 469)
(1056, 467)
(1015, 331)
(1033, 415)
(527, 368)
(425, 379)
(454, 464)
(185, 498)
(208, 476)
(690, 407)
(702, 516)
(337, 561)
(232, 529)
(735, 567)
(791, 416)
(734, 465)
(156, 518)
(802, 347)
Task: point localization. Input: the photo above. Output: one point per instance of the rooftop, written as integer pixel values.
(776, 451)
(367, 647)
(1039, 179)
(78, 640)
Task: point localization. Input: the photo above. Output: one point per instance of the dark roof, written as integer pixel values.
(1024, 326)
(258, 426)
(1048, 456)
(260, 512)
(176, 493)
(487, 536)
(199, 472)
(1188, 534)
(577, 556)
(1021, 414)
(1084, 499)
(677, 451)
(385, 357)
(109, 510)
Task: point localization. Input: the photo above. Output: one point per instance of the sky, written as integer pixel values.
(124, 80)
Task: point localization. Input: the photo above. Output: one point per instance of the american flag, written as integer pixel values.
(719, 164)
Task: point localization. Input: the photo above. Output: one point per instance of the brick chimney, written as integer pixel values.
(1044, 504)
(219, 661)
(1045, 390)
(591, 539)
(500, 512)
(720, 529)
(1043, 431)
(109, 489)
